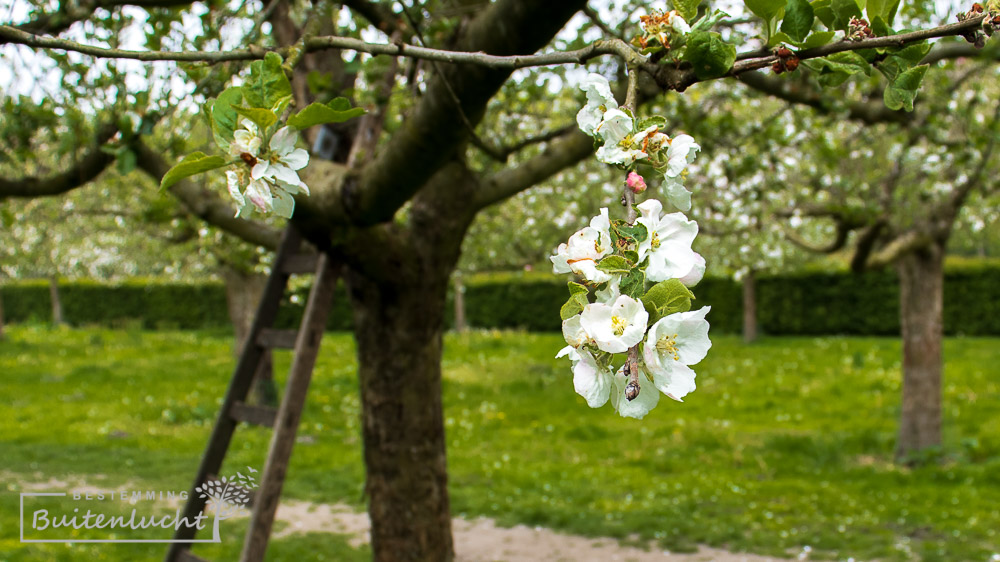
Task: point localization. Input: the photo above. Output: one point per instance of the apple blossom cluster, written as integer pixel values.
(661, 27)
(626, 142)
(628, 323)
(265, 178)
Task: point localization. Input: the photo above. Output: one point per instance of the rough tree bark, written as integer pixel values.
(750, 307)
(57, 308)
(243, 293)
(399, 308)
(921, 296)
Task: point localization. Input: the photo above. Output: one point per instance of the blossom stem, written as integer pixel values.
(632, 369)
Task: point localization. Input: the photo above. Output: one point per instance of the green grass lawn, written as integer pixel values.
(786, 443)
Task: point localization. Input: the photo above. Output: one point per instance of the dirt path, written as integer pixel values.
(477, 540)
(480, 540)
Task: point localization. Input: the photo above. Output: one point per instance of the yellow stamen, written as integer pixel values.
(618, 325)
(655, 242)
(668, 345)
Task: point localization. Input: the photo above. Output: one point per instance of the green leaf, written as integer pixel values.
(635, 233)
(765, 9)
(884, 9)
(688, 9)
(818, 39)
(880, 28)
(263, 118)
(912, 53)
(336, 111)
(574, 305)
(267, 84)
(615, 265)
(633, 283)
(709, 55)
(903, 90)
(835, 14)
(824, 12)
(798, 20)
(224, 117)
(648, 122)
(576, 288)
(708, 20)
(666, 298)
(194, 163)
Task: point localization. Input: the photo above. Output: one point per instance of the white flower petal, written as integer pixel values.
(573, 332)
(234, 185)
(283, 140)
(284, 204)
(259, 194)
(615, 127)
(676, 383)
(296, 159)
(591, 381)
(647, 399)
(260, 169)
(697, 272)
(283, 173)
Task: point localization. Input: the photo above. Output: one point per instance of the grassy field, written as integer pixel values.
(786, 443)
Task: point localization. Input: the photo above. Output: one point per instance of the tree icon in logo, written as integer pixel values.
(227, 496)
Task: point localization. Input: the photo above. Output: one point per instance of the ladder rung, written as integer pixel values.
(300, 263)
(258, 415)
(277, 339)
(187, 556)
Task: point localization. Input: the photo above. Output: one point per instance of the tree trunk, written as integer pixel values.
(921, 295)
(750, 307)
(243, 293)
(57, 309)
(459, 288)
(398, 327)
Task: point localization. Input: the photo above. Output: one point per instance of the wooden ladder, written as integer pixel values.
(284, 419)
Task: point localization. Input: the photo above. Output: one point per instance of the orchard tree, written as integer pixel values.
(402, 183)
(893, 197)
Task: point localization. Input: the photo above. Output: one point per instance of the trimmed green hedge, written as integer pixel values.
(802, 304)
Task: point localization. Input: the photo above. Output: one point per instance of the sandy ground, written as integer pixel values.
(477, 540)
(480, 540)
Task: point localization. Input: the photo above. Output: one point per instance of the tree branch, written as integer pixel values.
(571, 148)
(907, 243)
(866, 112)
(57, 22)
(84, 170)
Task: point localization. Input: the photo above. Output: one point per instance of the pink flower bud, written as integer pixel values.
(635, 182)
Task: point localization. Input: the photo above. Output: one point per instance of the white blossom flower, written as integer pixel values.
(682, 151)
(668, 245)
(620, 145)
(257, 193)
(697, 272)
(285, 159)
(573, 332)
(585, 248)
(599, 100)
(677, 23)
(610, 293)
(674, 343)
(615, 327)
(590, 379)
(246, 140)
(646, 400)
